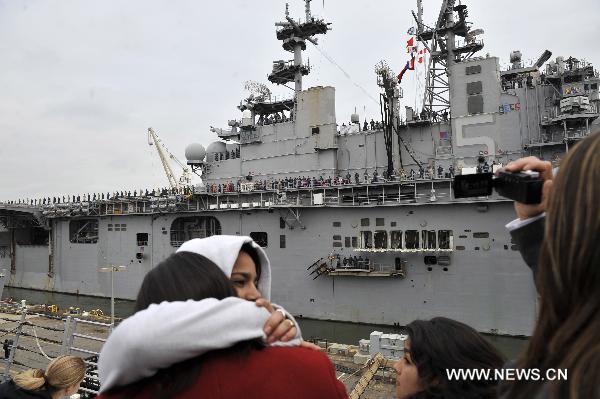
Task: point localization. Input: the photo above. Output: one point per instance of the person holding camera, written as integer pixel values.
(558, 239)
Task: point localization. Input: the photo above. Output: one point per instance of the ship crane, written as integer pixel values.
(165, 155)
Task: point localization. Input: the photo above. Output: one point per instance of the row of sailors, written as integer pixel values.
(353, 262)
(424, 115)
(366, 126)
(310, 182)
(262, 185)
(274, 118)
(117, 195)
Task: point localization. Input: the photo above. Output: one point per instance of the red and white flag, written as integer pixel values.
(410, 43)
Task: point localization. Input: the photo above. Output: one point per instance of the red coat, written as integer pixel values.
(273, 372)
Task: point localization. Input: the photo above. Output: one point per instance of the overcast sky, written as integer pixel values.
(81, 81)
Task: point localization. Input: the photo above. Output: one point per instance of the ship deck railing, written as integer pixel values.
(403, 250)
(380, 193)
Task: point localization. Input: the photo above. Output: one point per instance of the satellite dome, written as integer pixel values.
(195, 152)
(217, 146)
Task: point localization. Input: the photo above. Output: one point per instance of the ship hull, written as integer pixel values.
(485, 285)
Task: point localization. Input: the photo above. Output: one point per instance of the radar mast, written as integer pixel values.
(444, 51)
(294, 35)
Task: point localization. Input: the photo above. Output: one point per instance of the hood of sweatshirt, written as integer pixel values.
(223, 250)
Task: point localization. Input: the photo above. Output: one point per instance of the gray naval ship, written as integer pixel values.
(360, 221)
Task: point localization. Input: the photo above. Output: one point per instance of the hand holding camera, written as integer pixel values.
(526, 181)
(544, 168)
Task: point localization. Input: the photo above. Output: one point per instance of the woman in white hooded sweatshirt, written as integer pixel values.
(171, 332)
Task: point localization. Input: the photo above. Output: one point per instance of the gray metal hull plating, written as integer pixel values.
(486, 285)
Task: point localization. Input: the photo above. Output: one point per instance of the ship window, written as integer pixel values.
(428, 239)
(83, 231)
(381, 239)
(594, 86)
(474, 88)
(364, 222)
(411, 239)
(117, 227)
(366, 239)
(337, 224)
(186, 228)
(396, 238)
(354, 242)
(123, 227)
(337, 244)
(38, 236)
(460, 247)
(337, 237)
(282, 241)
(142, 239)
(281, 223)
(444, 239)
(393, 224)
(379, 222)
(260, 237)
(472, 70)
(347, 242)
(475, 104)
(110, 227)
(315, 130)
(443, 260)
(399, 264)
(430, 260)
(480, 234)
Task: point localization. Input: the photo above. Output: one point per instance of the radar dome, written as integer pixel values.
(217, 146)
(195, 152)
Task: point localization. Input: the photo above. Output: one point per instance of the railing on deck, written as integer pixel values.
(37, 338)
(382, 192)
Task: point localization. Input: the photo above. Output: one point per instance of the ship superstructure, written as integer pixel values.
(359, 221)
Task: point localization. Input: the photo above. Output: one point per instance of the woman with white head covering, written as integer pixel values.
(171, 332)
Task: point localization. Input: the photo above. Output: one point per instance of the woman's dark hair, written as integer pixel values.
(182, 276)
(441, 344)
(566, 335)
(253, 253)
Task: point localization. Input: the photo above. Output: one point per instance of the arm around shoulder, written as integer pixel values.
(171, 332)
